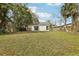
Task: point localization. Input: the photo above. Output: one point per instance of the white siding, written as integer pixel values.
(40, 28)
(32, 28)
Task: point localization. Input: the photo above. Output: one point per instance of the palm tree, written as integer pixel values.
(64, 13)
(74, 15)
(70, 10)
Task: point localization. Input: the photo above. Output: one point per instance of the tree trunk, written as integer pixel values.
(74, 23)
(65, 27)
(3, 25)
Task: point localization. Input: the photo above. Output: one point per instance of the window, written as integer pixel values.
(46, 27)
(35, 27)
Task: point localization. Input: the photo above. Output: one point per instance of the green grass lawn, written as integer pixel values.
(40, 43)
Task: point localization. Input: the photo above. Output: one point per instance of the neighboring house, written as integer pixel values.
(61, 28)
(42, 26)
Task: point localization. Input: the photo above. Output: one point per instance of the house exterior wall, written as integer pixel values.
(32, 28)
(40, 28)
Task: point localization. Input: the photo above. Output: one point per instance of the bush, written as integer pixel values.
(2, 31)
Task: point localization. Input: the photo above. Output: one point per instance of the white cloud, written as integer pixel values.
(43, 15)
(40, 20)
(33, 8)
(54, 4)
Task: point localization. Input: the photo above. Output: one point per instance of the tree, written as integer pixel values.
(3, 15)
(74, 15)
(70, 10)
(25, 17)
(50, 24)
(21, 16)
(65, 13)
(35, 18)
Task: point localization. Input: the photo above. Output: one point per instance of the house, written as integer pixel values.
(42, 26)
(61, 28)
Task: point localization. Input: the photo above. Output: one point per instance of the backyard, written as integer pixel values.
(40, 43)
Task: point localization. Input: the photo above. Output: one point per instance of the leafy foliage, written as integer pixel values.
(70, 10)
(17, 14)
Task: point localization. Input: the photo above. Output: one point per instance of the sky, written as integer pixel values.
(47, 11)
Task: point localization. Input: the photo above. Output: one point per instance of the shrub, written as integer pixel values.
(2, 31)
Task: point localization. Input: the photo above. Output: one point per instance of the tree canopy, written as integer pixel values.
(18, 14)
(70, 10)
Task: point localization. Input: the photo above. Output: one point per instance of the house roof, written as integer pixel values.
(70, 24)
(42, 24)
